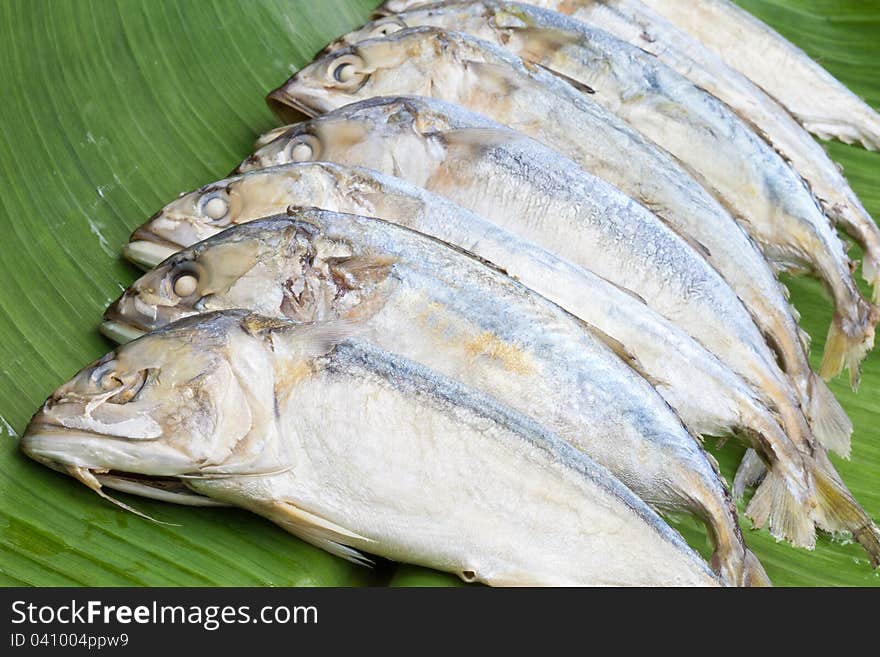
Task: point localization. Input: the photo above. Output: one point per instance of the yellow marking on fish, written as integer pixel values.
(288, 378)
(512, 357)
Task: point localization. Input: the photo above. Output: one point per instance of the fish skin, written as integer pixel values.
(718, 149)
(707, 395)
(639, 25)
(453, 66)
(819, 101)
(433, 304)
(549, 200)
(404, 487)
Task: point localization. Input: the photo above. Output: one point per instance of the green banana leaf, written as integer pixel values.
(110, 109)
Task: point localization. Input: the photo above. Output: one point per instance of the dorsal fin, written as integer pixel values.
(577, 84)
(625, 355)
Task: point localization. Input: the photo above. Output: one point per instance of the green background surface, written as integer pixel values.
(109, 110)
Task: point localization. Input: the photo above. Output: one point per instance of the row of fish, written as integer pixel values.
(477, 306)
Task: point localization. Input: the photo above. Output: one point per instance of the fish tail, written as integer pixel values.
(738, 566)
(783, 510)
(848, 343)
(839, 511)
(750, 472)
(830, 424)
(731, 560)
(785, 499)
(871, 273)
(753, 571)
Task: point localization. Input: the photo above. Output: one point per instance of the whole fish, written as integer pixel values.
(819, 101)
(544, 40)
(436, 305)
(708, 396)
(487, 79)
(532, 191)
(354, 450)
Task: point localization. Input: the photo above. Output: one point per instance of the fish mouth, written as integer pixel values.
(289, 108)
(37, 445)
(118, 327)
(163, 489)
(120, 332)
(146, 249)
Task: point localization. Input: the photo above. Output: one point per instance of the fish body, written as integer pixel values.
(485, 79)
(706, 394)
(530, 190)
(639, 25)
(719, 150)
(521, 185)
(436, 305)
(354, 449)
(819, 101)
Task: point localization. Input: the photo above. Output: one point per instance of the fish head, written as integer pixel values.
(228, 268)
(376, 29)
(479, 19)
(181, 401)
(286, 266)
(388, 134)
(396, 6)
(198, 215)
(413, 61)
(190, 218)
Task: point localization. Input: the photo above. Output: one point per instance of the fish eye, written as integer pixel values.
(130, 391)
(386, 28)
(185, 284)
(347, 71)
(215, 206)
(304, 148)
(104, 374)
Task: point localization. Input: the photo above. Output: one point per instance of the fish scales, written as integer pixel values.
(441, 307)
(462, 69)
(819, 101)
(638, 24)
(404, 487)
(709, 397)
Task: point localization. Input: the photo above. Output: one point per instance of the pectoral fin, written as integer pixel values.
(318, 531)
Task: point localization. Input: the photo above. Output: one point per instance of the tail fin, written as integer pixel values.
(738, 566)
(847, 346)
(751, 470)
(788, 516)
(731, 559)
(753, 572)
(830, 424)
(871, 274)
(839, 511)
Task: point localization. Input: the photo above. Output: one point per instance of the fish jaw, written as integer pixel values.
(126, 318)
(62, 448)
(287, 107)
(120, 332)
(73, 453)
(146, 249)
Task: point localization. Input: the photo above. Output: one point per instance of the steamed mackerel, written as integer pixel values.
(642, 27)
(488, 80)
(718, 149)
(354, 449)
(527, 188)
(710, 399)
(819, 101)
(436, 305)
(533, 191)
